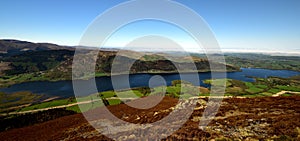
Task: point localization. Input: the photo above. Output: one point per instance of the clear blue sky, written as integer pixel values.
(237, 24)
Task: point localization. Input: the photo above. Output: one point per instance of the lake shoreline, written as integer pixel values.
(7, 85)
(64, 88)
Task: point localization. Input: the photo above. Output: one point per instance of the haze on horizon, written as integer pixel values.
(239, 26)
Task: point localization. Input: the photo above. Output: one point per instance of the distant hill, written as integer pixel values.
(13, 47)
(22, 61)
(45, 61)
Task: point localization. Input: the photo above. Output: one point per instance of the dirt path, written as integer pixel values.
(195, 97)
(51, 98)
(284, 92)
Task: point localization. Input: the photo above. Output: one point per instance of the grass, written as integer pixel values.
(287, 95)
(114, 101)
(25, 77)
(218, 82)
(266, 94)
(123, 94)
(129, 94)
(107, 94)
(274, 91)
(249, 84)
(253, 89)
(159, 89)
(48, 104)
(90, 106)
(261, 86)
(186, 96)
(88, 98)
(173, 90)
(100, 74)
(234, 90)
(183, 90)
(85, 107)
(289, 88)
(204, 94)
(74, 108)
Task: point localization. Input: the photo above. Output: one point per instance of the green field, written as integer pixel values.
(49, 104)
(254, 89)
(93, 105)
(261, 87)
(289, 88)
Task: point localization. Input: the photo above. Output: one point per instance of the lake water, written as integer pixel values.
(65, 88)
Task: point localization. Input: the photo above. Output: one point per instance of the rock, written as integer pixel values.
(131, 137)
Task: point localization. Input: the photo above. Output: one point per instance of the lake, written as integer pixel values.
(65, 88)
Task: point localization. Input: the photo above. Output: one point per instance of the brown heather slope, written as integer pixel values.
(244, 119)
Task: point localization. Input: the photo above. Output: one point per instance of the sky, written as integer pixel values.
(248, 25)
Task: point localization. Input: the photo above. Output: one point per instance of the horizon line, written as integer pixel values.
(223, 50)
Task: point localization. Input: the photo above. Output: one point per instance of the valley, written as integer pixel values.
(37, 92)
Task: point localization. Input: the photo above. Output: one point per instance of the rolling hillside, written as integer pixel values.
(22, 61)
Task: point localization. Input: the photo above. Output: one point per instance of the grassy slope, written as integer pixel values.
(246, 60)
(16, 99)
(262, 87)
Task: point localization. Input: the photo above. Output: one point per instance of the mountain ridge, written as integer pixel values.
(26, 61)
